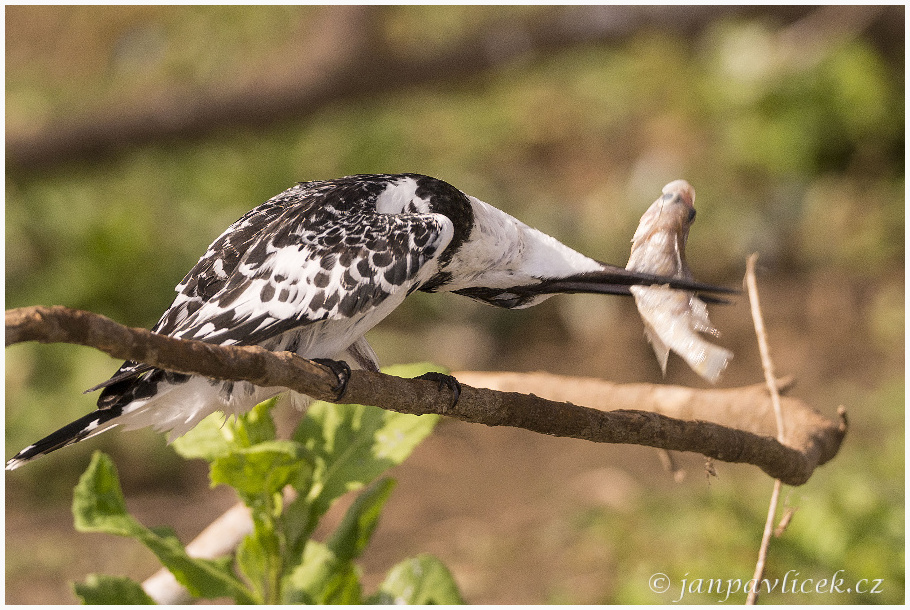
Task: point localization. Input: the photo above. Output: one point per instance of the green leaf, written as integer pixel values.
(355, 530)
(420, 580)
(216, 436)
(262, 469)
(259, 557)
(322, 578)
(98, 506)
(327, 573)
(206, 441)
(99, 589)
(257, 425)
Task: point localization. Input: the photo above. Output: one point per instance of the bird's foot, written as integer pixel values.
(444, 381)
(342, 373)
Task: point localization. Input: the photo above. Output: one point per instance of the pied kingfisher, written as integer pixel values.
(314, 268)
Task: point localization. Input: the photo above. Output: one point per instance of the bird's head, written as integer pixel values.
(504, 262)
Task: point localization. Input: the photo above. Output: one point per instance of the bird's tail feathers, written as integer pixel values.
(94, 423)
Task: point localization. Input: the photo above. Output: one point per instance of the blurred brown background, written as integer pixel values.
(135, 135)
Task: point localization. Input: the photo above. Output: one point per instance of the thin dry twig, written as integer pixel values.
(784, 521)
(768, 367)
(761, 333)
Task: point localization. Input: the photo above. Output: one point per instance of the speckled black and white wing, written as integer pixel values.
(322, 269)
(309, 271)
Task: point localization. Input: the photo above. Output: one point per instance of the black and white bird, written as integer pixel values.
(314, 268)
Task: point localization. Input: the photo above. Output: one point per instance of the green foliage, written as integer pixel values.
(98, 506)
(336, 449)
(421, 580)
(107, 590)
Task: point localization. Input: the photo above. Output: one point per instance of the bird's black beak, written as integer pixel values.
(609, 280)
(616, 280)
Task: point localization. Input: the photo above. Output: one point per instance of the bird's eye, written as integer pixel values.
(691, 214)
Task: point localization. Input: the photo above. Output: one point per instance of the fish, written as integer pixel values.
(674, 319)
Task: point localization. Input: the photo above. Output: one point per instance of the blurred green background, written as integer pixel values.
(136, 135)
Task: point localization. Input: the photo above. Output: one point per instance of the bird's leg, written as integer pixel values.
(342, 372)
(444, 381)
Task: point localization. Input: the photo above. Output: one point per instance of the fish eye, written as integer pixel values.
(507, 300)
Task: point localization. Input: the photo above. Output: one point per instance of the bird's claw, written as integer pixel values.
(342, 372)
(444, 381)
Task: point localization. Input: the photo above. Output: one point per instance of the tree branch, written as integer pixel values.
(727, 425)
